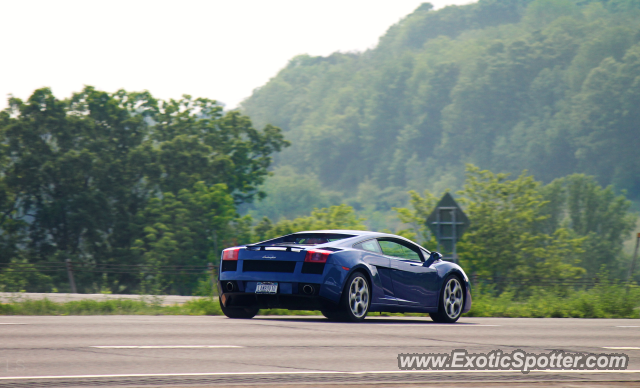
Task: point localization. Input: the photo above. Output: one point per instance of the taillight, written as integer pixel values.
(230, 254)
(317, 256)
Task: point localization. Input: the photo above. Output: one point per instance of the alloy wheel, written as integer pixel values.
(359, 297)
(453, 298)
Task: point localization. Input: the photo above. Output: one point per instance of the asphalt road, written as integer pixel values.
(203, 350)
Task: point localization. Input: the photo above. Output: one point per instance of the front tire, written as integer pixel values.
(451, 301)
(238, 312)
(356, 298)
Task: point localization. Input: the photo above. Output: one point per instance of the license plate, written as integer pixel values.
(267, 288)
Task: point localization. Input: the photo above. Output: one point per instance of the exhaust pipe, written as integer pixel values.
(229, 286)
(307, 289)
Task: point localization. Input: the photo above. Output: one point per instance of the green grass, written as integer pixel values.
(200, 306)
(602, 301)
(87, 307)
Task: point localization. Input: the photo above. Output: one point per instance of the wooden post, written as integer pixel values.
(633, 261)
(72, 282)
(212, 273)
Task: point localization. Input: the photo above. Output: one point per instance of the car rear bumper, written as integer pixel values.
(291, 296)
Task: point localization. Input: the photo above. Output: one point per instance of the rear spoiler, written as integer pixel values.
(283, 248)
(287, 248)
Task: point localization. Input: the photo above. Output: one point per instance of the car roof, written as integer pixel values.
(359, 234)
(346, 231)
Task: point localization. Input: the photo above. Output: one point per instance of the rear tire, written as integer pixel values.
(238, 312)
(451, 301)
(356, 298)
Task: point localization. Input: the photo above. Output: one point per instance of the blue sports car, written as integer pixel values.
(343, 273)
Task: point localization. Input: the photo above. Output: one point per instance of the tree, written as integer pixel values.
(334, 217)
(416, 217)
(20, 276)
(182, 230)
(606, 117)
(75, 174)
(289, 194)
(73, 169)
(503, 241)
(571, 221)
(196, 141)
(594, 212)
(550, 86)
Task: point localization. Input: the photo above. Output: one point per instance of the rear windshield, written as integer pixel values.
(310, 238)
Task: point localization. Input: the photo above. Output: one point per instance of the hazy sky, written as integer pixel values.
(216, 49)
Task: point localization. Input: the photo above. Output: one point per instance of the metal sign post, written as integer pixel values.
(448, 222)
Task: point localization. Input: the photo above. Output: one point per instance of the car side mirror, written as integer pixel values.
(433, 257)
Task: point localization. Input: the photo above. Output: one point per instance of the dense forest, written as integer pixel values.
(528, 111)
(548, 86)
(122, 183)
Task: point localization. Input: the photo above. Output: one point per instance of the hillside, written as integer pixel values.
(551, 86)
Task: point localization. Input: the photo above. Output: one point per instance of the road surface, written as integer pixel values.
(215, 351)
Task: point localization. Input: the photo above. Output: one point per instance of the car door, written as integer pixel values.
(413, 283)
(383, 267)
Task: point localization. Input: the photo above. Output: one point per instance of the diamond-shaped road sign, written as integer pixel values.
(447, 222)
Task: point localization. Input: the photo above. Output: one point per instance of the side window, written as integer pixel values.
(392, 248)
(371, 246)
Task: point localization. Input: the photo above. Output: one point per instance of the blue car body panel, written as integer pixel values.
(397, 285)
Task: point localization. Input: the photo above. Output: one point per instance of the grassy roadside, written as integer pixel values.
(602, 301)
(201, 306)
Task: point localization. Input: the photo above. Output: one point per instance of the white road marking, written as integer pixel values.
(431, 325)
(621, 347)
(166, 347)
(627, 326)
(311, 373)
(6, 323)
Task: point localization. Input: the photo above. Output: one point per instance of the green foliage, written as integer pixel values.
(542, 12)
(20, 275)
(81, 307)
(199, 306)
(204, 287)
(289, 195)
(334, 217)
(595, 213)
(375, 204)
(550, 86)
(547, 86)
(182, 230)
(124, 178)
(198, 142)
(416, 217)
(605, 120)
(605, 300)
(503, 240)
(523, 229)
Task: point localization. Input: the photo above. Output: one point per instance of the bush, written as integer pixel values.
(200, 306)
(605, 300)
(81, 307)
